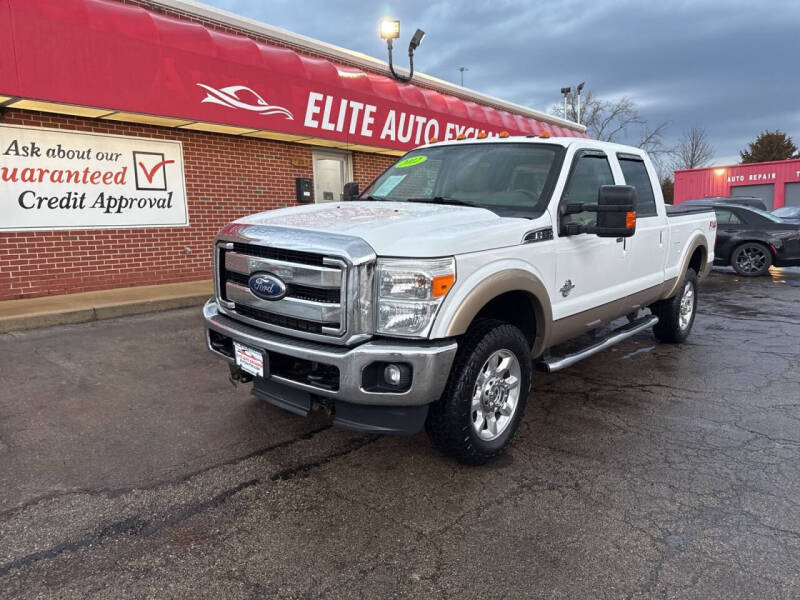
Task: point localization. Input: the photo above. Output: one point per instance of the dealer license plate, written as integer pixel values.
(249, 359)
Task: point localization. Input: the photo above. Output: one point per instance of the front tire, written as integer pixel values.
(751, 259)
(676, 314)
(486, 394)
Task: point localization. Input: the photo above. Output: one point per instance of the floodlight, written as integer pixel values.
(389, 29)
(416, 40)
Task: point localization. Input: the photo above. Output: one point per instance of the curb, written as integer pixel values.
(80, 312)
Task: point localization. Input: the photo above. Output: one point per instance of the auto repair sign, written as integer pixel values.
(56, 179)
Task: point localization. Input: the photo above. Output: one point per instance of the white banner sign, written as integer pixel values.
(55, 179)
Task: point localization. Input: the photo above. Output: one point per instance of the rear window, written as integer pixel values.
(763, 213)
(636, 175)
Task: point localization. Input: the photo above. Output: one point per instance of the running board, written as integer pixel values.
(553, 364)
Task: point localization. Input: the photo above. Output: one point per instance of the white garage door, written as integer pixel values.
(765, 191)
(793, 194)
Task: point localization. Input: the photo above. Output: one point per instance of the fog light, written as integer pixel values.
(387, 377)
(392, 374)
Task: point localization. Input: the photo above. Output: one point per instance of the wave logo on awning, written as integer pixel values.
(241, 96)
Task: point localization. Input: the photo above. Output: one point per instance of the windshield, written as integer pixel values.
(510, 179)
(791, 212)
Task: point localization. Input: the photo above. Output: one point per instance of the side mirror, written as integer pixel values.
(350, 191)
(616, 213)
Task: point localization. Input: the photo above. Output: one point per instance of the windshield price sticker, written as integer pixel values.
(249, 359)
(411, 161)
(387, 186)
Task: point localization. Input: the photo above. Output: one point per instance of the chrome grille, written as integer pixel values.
(316, 289)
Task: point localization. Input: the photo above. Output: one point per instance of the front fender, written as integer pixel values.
(490, 281)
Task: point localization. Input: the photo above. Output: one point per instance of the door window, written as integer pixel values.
(727, 217)
(589, 172)
(636, 175)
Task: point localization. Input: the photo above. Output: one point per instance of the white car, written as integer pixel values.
(427, 300)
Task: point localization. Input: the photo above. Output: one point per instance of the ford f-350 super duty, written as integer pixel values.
(427, 299)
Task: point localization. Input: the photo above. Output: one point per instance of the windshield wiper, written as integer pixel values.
(441, 200)
(371, 198)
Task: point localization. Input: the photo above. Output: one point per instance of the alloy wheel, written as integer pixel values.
(751, 259)
(687, 306)
(496, 395)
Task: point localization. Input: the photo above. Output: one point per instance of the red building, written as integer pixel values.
(131, 131)
(776, 182)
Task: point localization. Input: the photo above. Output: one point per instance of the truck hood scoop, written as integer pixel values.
(401, 228)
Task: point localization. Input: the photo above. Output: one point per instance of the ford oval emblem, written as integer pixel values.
(267, 286)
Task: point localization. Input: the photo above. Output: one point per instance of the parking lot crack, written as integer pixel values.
(120, 491)
(135, 526)
(132, 526)
(304, 468)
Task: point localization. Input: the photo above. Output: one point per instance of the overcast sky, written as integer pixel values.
(731, 67)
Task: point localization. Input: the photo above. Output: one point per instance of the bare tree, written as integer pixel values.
(617, 121)
(693, 150)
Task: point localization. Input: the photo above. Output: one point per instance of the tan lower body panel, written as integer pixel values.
(575, 325)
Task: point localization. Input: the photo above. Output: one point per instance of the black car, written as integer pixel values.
(750, 201)
(750, 240)
(790, 214)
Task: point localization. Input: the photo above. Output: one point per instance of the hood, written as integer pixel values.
(404, 228)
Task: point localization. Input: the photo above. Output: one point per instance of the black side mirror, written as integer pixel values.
(616, 212)
(350, 191)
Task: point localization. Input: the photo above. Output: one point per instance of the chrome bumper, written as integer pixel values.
(430, 361)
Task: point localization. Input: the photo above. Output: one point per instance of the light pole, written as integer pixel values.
(390, 31)
(462, 69)
(579, 89)
(565, 92)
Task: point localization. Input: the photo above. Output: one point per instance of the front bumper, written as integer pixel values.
(430, 361)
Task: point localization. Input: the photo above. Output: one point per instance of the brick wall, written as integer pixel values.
(226, 177)
(367, 167)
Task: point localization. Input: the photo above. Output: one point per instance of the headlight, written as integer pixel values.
(410, 292)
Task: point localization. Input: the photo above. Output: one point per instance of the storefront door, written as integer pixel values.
(331, 171)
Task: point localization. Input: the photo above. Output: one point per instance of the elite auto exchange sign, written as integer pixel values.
(56, 179)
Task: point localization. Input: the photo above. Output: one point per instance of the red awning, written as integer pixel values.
(105, 54)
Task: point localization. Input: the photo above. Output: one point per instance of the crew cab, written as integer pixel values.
(426, 300)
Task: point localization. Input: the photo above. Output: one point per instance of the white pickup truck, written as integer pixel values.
(428, 299)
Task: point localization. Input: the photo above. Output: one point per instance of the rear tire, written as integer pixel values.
(751, 259)
(676, 314)
(486, 393)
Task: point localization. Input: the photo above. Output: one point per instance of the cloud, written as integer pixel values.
(729, 67)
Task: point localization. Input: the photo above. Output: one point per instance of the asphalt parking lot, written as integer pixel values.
(130, 468)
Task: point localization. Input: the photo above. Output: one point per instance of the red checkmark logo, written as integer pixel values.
(149, 174)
